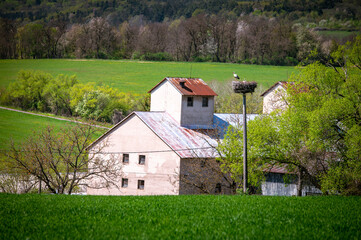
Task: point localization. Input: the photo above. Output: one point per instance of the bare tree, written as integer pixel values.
(61, 161)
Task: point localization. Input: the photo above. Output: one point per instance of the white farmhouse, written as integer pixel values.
(170, 150)
(275, 97)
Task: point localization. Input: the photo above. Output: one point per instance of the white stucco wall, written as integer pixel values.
(197, 115)
(161, 168)
(167, 98)
(274, 99)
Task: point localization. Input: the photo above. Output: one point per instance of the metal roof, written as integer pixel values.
(186, 142)
(189, 86)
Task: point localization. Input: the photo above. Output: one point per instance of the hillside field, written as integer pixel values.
(18, 126)
(32, 216)
(139, 77)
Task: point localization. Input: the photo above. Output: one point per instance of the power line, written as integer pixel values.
(134, 152)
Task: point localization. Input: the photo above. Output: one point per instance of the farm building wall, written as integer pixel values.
(166, 98)
(275, 185)
(274, 99)
(158, 175)
(197, 114)
(202, 176)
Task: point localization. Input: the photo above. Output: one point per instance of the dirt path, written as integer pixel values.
(61, 119)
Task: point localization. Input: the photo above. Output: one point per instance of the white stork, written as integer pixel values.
(235, 75)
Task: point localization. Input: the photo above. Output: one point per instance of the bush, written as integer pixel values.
(160, 56)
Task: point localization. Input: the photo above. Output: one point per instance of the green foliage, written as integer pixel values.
(320, 131)
(65, 96)
(27, 91)
(231, 159)
(178, 217)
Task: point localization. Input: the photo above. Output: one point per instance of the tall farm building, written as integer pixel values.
(171, 149)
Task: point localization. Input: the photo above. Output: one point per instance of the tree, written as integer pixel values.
(60, 160)
(318, 137)
(27, 91)
(31, 41)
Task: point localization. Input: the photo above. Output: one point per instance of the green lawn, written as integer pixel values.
(178, 217)
(137, 76)
(17, 126)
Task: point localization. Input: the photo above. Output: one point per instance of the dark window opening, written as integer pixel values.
(142, 159)
(190, 102)
(141, 184)
(124, 182)
(218, 188)
(125, 158)
(204, 102)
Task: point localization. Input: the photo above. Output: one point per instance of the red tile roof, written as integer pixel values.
(189, 86)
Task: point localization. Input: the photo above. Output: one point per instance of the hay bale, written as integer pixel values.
(243, 86)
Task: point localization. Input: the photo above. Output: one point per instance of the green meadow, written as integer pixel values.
(32, 216)
(128, 76)
(16, 126)
(138, 76)
(337, 34)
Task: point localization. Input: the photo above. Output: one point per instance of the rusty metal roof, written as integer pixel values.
(189, 86)
(185, 142)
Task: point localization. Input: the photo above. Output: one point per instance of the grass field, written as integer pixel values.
(178, 217)
(337, 34)
(139, 77)
(17, 126)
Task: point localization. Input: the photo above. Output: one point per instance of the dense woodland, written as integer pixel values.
(279, 32)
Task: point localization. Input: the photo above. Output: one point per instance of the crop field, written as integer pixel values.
(18, 126)
(139, 77)
(337, 34)
(34, 216)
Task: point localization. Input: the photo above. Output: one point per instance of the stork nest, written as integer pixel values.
(243, 86)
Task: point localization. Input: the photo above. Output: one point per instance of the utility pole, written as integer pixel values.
(244, 87)
(245, 172)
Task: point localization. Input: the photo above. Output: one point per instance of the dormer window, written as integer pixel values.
(190, 102)
(205, 102)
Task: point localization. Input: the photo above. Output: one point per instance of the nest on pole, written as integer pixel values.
(243, 86)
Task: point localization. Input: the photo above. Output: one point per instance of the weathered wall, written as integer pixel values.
(201, 176)
(276, 186)
(197, 115)
(166, 98)
(274, 99)
(161, 165)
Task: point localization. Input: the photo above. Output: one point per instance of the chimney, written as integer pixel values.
(182, 83)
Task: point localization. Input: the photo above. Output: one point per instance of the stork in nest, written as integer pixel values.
(235, 75)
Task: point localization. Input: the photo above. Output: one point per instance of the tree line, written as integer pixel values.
(248, 39)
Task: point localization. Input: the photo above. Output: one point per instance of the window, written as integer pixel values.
(125, 158)
(141, 184)
(190, 102)
(204, 102)
(218, 188)
(141, 159)
(124, 182)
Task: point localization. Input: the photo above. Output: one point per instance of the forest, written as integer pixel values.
(277, 32)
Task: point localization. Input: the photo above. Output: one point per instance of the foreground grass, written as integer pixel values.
(139, 77)
(16, 126)
(178, 217)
